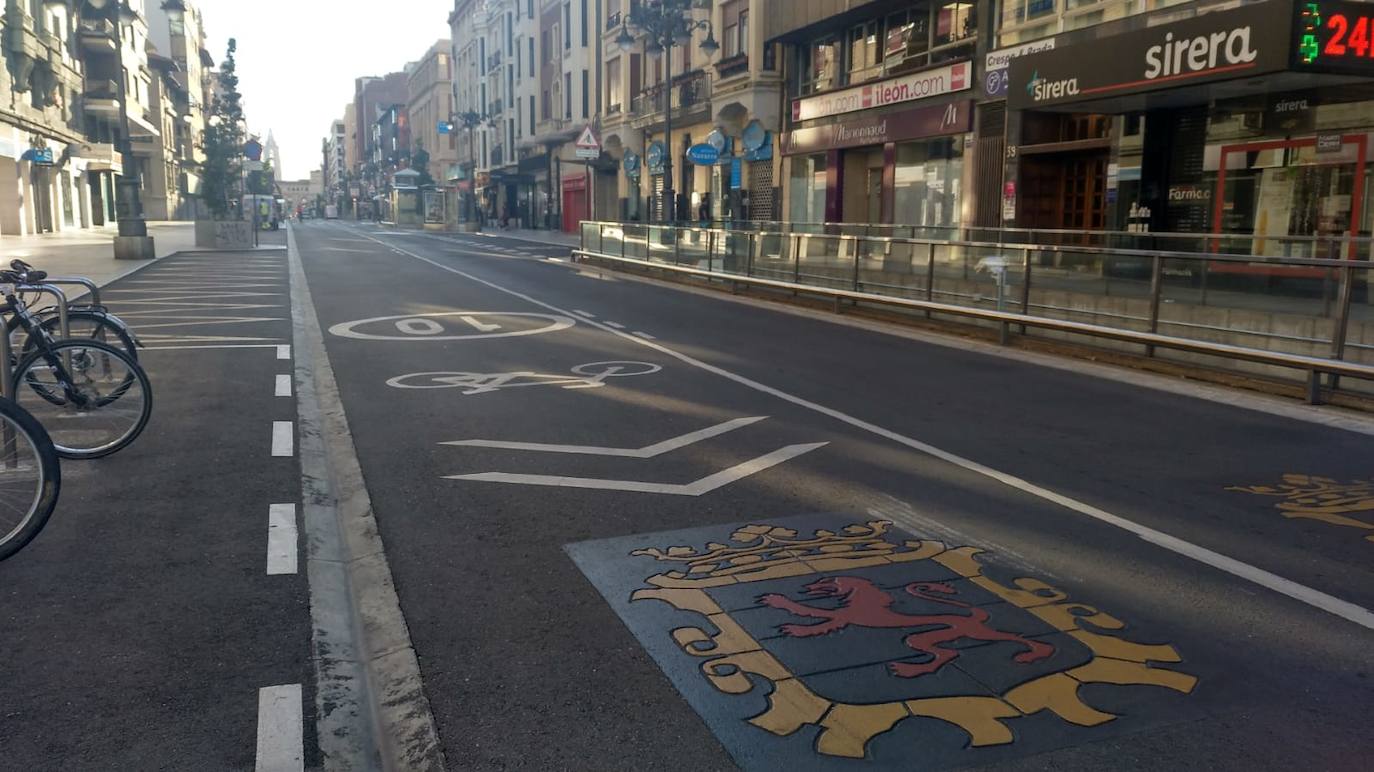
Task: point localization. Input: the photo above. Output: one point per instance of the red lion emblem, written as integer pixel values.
(866, 605)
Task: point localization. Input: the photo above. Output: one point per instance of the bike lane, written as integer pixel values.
(158, 621)
(684, 498)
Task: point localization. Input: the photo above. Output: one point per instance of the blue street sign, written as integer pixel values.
(41, 157)
(736, 173)
(703, 155)
(445, 127)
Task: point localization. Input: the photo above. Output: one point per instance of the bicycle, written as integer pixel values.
(30, 478)
(84, 320)
(93, 398)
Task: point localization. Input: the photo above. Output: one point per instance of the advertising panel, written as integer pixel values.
(948, 79)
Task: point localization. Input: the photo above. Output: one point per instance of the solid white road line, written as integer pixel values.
(702, 486)
(650, 451)
(283, 439)
(281, 729)
(584, 314)
(1299, 592)
(283, 385)
(284, 352)
(282, 540)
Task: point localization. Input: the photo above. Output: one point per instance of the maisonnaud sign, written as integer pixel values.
(1244, 42)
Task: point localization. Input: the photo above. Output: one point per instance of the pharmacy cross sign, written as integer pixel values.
(588, 146)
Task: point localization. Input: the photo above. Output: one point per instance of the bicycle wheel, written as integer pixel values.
(30, 478)
(86, 325)
(98, 406)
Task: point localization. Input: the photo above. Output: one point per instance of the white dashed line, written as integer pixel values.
(283, 385)
(282, 540)
(284, 352)
(616, 325)
(283, 439)
(584, 313)
(644, 335)
(281, 729)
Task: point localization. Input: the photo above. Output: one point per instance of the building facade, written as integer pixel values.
(431, 110)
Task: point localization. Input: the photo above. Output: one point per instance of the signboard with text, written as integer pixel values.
(1335, 36)
(933, 121)
(997, 65)
(934, 82)
(1243, 42)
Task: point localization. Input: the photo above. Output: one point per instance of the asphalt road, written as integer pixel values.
(667, 421)
(141, 625)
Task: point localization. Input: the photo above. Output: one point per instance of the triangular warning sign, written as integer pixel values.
(588, 139)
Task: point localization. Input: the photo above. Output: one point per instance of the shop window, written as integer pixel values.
(819, 65)
(865, 54)
(806, 189)
(927, 182)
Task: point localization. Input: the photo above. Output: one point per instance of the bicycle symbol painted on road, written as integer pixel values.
(591, 375)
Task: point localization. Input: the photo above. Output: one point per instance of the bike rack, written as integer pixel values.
(61, 298)
(81, 281)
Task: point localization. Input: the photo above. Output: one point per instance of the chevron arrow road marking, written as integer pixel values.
(702, 486)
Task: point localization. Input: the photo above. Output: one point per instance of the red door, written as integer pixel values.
(574, 204)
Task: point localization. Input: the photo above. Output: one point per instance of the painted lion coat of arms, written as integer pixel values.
(833, 637)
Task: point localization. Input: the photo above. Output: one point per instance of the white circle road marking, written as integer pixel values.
(346, 329)
(616, 369)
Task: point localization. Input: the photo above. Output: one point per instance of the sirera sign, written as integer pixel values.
(1239, 43)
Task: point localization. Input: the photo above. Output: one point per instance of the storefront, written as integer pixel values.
(906, 166)
(865, 154)
(1253, 122)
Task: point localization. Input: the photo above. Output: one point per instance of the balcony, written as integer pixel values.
(101, 98)
(690, 94)
(732, 66)
(613, 21)
(97, 36)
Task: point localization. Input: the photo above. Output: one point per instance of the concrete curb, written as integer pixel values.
(373, 712)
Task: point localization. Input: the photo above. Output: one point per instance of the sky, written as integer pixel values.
(297, 59)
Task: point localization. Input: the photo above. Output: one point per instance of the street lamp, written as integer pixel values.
(664, 24)
(133, 241)
(175, 10)
(471, 121)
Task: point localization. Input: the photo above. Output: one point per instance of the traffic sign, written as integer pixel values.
(587, 145)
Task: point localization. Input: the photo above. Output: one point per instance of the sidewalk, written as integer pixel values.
(539, 236)
(90, 252)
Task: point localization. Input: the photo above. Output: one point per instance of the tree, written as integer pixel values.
(262, 183)
(419, 161)
(223, 142)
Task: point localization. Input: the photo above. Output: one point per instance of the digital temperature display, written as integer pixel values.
(1338, 35)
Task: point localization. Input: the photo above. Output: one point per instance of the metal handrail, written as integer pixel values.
(1311, 262)
(1314, 366)
(750, 225)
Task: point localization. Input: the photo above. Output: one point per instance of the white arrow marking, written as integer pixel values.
(481, 327)
(651, 451)
(702, 486)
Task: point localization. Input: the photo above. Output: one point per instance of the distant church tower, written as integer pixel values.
(272, 155)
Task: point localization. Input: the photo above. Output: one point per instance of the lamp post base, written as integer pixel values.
(134, 248)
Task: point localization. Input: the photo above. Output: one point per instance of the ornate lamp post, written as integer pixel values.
(133, 241)
(664, 24)
(471, 121)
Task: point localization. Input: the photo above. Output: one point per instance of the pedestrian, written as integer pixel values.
(704, 211)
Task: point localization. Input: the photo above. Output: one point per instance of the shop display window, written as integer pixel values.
(927, 182)
(806, 189)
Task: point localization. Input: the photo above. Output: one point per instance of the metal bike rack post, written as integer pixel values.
(61, 298)
(82, 281)
(6, 375)
(1025, 285)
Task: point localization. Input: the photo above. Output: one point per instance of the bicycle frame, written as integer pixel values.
(30, 323)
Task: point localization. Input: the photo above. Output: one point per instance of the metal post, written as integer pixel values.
(670, 198)
(133, 224)
(1156, 289)
(749, 258)
(930, 276)
(1342, 321)
(1025, 285)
